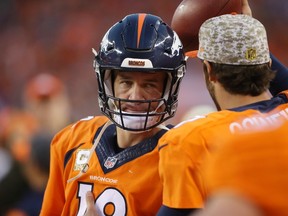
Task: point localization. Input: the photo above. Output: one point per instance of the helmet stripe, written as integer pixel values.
(140, 27)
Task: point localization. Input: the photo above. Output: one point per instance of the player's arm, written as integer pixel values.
(182, 181)
(280, 82)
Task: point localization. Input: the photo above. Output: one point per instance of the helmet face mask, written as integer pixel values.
(158, 50)
(135, 121)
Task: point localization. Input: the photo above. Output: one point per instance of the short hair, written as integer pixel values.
(244, 79)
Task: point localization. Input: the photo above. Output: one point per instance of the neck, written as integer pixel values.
(126, 139)
(229, 101)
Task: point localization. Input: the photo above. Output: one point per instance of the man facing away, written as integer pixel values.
(236, 64)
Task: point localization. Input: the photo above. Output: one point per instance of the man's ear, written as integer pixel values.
(211, 76)
(270, 62)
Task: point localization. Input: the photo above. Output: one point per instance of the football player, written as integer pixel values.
(237, 68)
(139, 67)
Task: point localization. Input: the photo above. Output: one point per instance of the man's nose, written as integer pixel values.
(136, 92)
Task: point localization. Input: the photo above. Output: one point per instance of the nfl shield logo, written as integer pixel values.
(251, 54)
(110, 162)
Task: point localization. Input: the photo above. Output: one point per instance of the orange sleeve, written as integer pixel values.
(179, 169)
(54, 197)
(58, 195)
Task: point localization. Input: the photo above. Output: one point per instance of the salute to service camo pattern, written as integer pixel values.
(233, 39)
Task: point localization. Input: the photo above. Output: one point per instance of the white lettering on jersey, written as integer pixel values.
(259, 122)
(110, 202)
(82, 190)
(103, 179)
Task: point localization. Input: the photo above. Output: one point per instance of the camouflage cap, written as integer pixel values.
(233, 39)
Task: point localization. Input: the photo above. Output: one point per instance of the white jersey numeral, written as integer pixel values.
(110, 202)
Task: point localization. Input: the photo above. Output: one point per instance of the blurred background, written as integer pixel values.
(47, 80)
(56, 37)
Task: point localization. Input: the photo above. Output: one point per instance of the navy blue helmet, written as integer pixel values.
(142, 43)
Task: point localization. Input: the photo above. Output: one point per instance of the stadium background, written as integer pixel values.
(56, 37)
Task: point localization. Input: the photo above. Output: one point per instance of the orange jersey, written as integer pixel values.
(254, 166)
(184, 148)
(126, 183)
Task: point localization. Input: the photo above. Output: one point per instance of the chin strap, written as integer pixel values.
(162, 126)
(86, 166)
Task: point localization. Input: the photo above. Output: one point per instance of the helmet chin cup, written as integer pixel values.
(135, 121)
(138, 122)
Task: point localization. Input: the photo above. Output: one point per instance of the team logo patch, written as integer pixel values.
(137, 63)
(81, 159)
(110, 162)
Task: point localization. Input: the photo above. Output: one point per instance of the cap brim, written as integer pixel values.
(191, 54)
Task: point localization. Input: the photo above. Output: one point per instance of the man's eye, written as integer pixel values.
(125, 82)
(151, 85)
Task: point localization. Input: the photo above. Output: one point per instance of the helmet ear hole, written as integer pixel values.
(110, 47)
(168, 51)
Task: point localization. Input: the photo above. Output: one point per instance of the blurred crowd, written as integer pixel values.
(47, 80)
(56, 37)
(26, 133)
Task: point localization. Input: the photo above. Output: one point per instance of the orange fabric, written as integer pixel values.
(134, 185)
(192, 54)
(15, 212)
(184, 149)
(17, 128)
(140, 27)
(254, 166)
